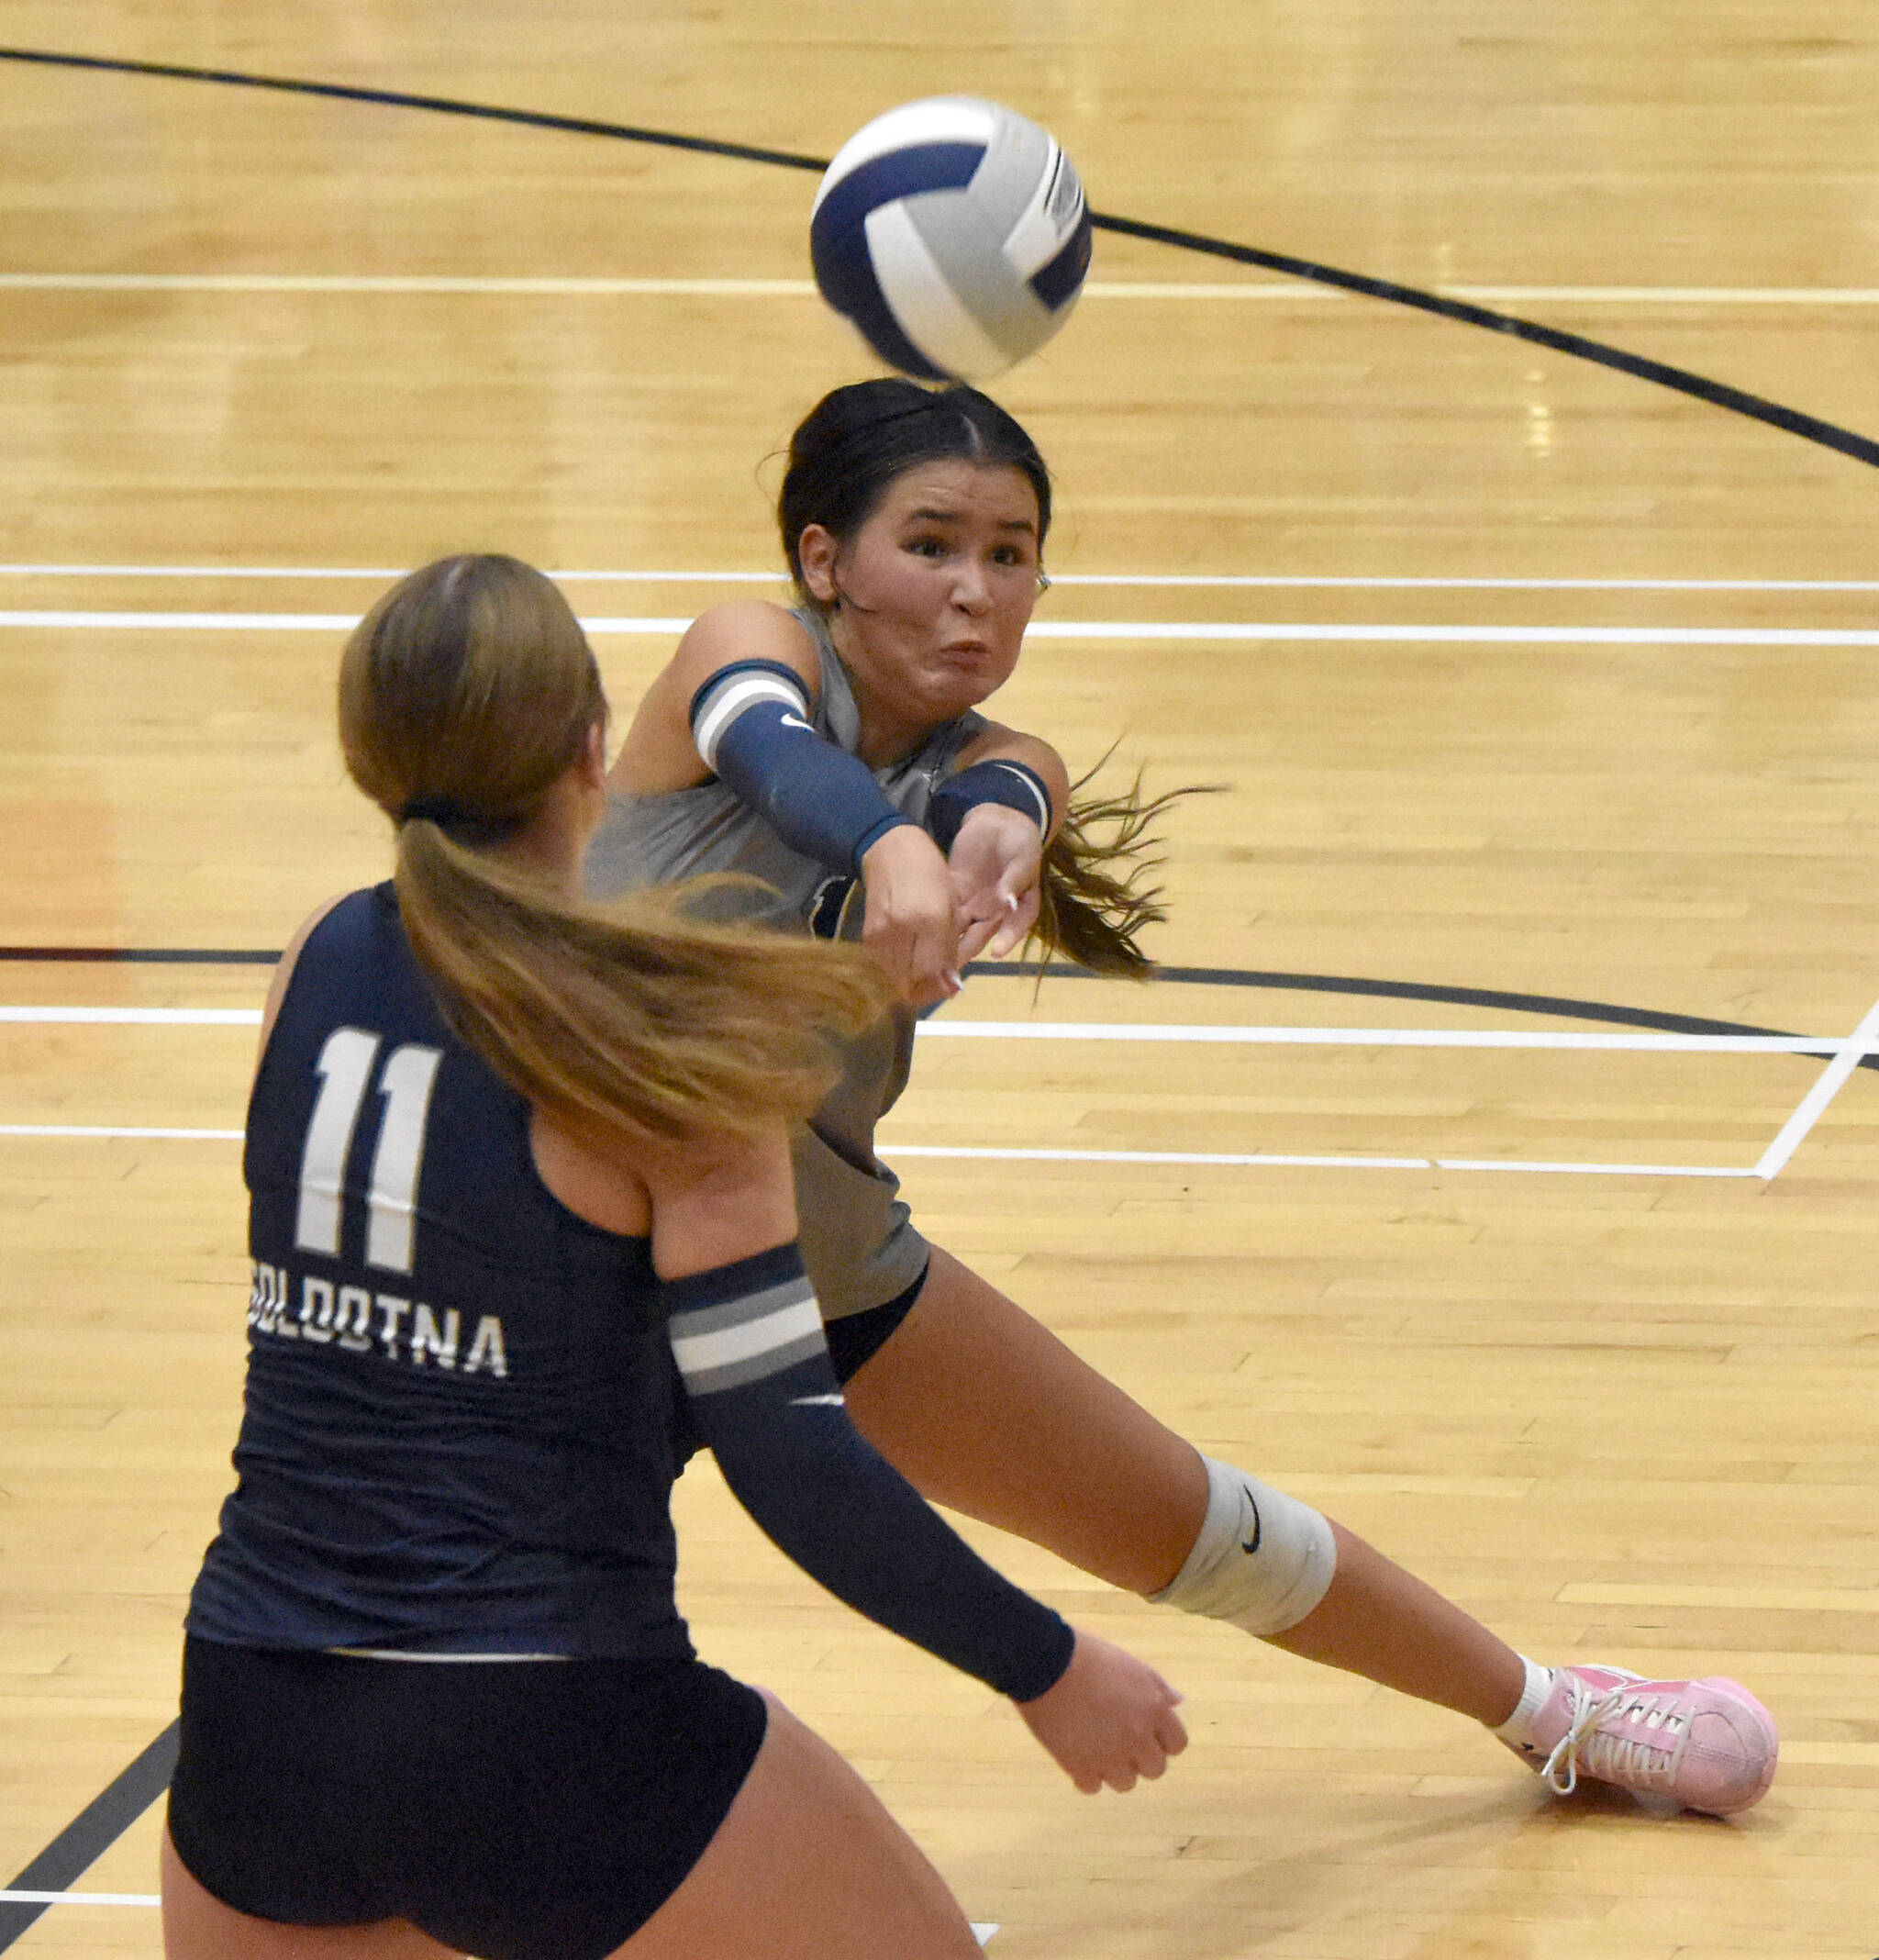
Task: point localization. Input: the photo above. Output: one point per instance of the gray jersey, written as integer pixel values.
(657, 840)
(858, 1238)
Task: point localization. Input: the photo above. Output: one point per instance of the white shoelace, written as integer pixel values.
(1632, 1761)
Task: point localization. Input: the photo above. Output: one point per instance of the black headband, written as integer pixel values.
(439, 811)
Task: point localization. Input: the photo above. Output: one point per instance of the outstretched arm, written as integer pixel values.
(994, 817)
(748, 1340)
(659, 754)
(736, 702)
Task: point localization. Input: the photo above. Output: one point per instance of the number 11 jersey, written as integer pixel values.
(458, 1434)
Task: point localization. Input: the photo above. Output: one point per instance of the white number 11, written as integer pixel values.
(405, 1083)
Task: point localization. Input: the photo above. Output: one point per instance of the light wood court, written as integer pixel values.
(1618, 1406)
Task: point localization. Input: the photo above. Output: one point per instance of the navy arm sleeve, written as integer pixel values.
(748, 1341)
(751, 723)
(1015, 784)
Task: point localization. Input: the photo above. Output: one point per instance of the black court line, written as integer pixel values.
(1681, 381)
(91, 1834)
(1552, 1005)
(104, 1822)
(437, 105)
(140, 955)
(1717, 393)
(1463, 996)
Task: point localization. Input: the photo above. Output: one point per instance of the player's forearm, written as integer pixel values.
(749, 1343)
(751, 723)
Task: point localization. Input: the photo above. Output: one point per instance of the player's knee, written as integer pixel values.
(1263, 1559)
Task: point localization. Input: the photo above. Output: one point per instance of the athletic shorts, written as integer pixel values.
(516, 1809)
(865, 1260)
(856, 1336)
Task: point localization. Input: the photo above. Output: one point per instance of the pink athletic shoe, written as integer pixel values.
(1709, 1743)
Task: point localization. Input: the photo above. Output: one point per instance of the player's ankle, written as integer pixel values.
(1516, 1728)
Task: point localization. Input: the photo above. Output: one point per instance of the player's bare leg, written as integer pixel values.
(986, 1410)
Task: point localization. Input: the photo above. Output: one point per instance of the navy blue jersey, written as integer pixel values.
(459, 1416)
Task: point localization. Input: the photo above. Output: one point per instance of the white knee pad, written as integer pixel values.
(1263, 1559)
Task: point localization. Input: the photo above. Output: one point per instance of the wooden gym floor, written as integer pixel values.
(1577, 706)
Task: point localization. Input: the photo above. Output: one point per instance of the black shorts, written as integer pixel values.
(517, 1811)
(858, 1337)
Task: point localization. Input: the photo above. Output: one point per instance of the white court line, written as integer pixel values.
(1721, 1044)
(1198, 1159)
(1597, 1170)
(1548, 636)
(1846, 1056)
(136, 1017)
(1117, 630)
(1833, 1078)
(1201, 1159)
(999, 1154)
(1584, 295)
(442, 284)
(234, 571)
(1198, 579)
(218, 622)
(1430, 584)
(1203, 1032)
(79, 1898)
(107, 1131)
(1280, 290)
(376, 571)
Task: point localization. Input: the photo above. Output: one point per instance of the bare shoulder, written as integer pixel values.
(746, 630)
(705, 1202)
(657, 754)
(595, 1182)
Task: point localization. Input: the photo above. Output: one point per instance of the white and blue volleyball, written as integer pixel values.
(954, 234)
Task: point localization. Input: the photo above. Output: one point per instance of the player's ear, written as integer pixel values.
(593, 751)
(816, 551)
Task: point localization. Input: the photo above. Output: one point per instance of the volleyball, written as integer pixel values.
(954, 235)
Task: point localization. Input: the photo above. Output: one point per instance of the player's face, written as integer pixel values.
(935, 589)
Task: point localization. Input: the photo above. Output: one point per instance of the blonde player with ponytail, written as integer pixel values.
(520, 1214)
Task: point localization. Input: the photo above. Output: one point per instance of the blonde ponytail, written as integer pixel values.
(630, 1018)
(465, 694)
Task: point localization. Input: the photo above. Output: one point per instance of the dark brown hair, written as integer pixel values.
(1095, 899)
(847, 451)
(856, 441)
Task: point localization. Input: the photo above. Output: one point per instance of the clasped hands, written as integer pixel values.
(929, 913)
